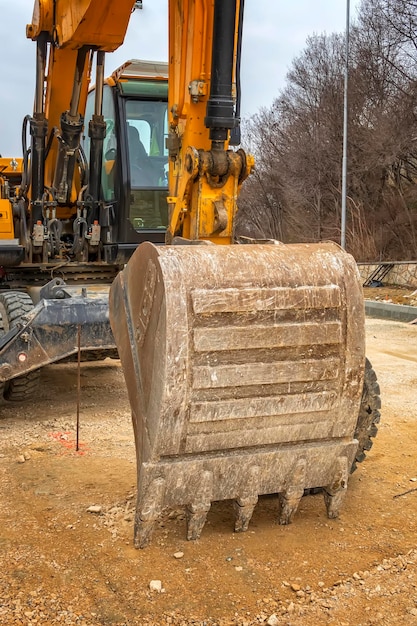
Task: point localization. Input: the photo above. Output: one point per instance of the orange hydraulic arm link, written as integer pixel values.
(67, 33)
(205, 177)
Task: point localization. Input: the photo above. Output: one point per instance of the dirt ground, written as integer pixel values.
(392, 293)
(63, 564)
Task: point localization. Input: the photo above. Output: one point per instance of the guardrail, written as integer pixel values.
(402, 273)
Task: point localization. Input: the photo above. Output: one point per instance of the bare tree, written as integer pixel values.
(295, 194)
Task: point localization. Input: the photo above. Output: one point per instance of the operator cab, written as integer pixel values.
(135, 159)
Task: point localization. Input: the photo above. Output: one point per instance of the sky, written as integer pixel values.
(274, 33)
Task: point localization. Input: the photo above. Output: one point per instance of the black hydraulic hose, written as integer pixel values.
(235, 135)
(80, 230)
(55, 231)
(239, 57)
(49, 142)
(25, 153)
(26, 120)
(82, 162)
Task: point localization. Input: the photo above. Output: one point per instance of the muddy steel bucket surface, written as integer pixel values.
(244, 369)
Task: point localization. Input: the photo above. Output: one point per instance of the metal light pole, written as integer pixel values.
(345, 132)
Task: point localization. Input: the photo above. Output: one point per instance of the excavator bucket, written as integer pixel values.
(244, 369)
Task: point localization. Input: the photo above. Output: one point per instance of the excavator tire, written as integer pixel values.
(369, 415)
(13, 305)
(244, 367)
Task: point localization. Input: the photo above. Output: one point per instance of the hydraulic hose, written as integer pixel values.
(235, 134)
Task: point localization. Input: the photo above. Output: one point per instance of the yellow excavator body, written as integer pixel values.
(244, 364)
(10, 173)
(6, 220)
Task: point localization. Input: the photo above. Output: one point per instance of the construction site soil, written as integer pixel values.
(66, 521)
(392, 294)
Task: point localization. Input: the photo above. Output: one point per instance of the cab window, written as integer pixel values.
(146, 129)
(110, 141)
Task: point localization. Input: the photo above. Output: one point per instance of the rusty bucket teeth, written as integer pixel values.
(245, 504)
(290, 498)
(243, 514)
(244, 369)
(335, 493)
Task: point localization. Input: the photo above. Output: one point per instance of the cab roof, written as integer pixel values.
(137, 69)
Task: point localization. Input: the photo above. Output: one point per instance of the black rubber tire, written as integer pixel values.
(369, 414)
(14, 304)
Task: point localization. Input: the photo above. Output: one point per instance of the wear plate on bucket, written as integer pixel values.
(244, 368)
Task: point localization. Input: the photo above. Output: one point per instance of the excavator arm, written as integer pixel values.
(205, 176)
(60, 183)
(51, 202)
(244, 364)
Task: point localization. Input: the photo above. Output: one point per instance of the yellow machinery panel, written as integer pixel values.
(6, 220)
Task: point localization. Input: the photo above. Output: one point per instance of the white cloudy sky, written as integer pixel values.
(274, 33)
